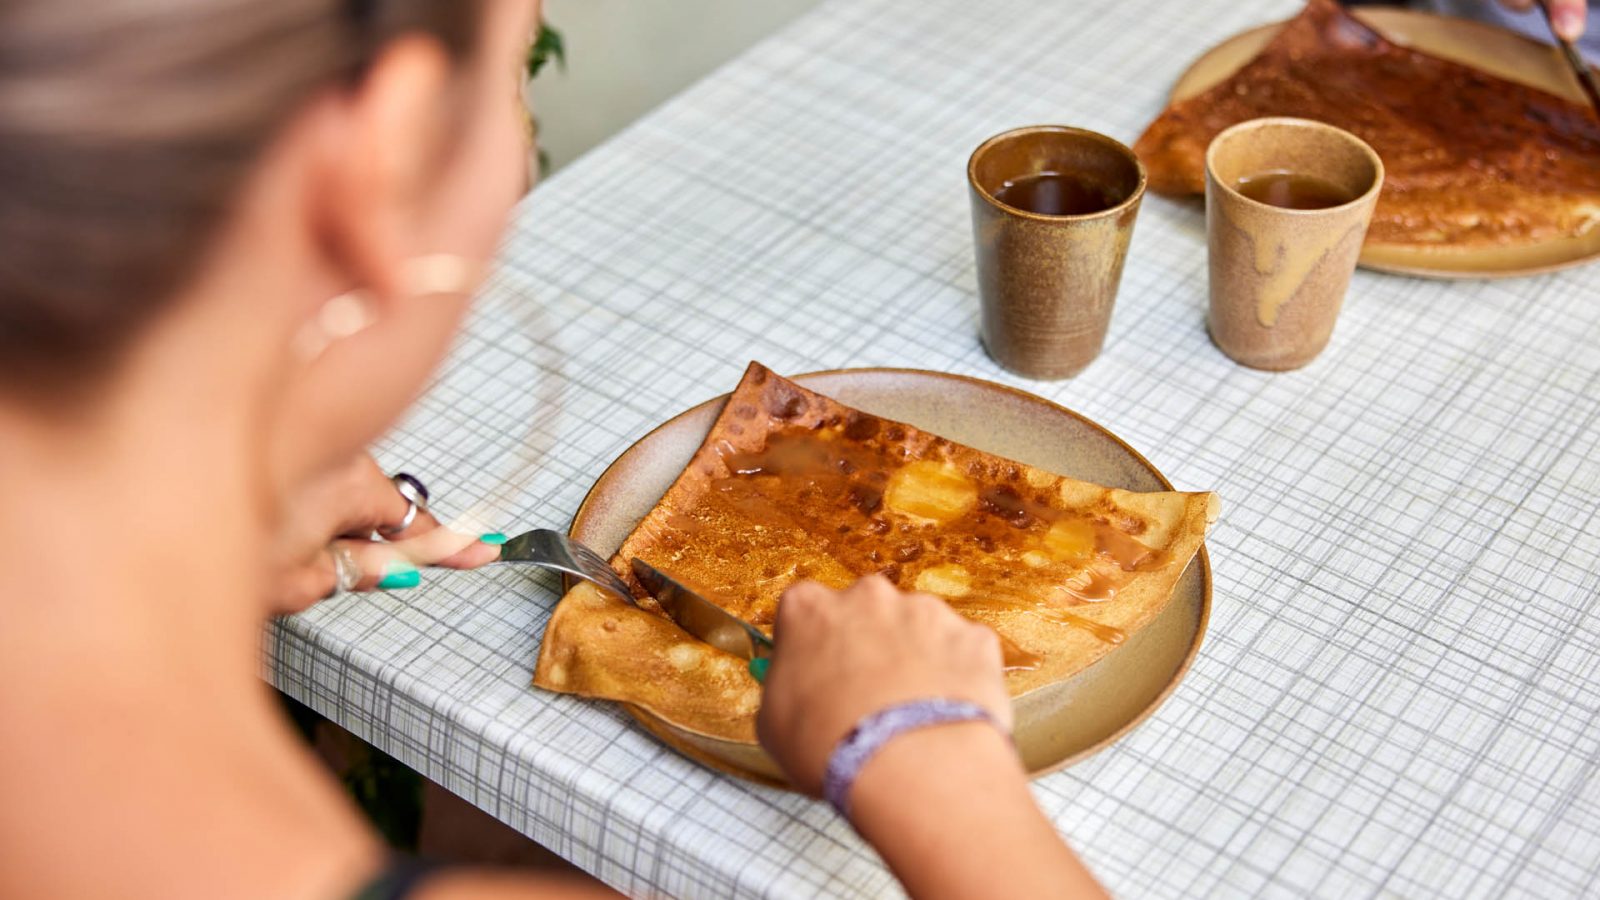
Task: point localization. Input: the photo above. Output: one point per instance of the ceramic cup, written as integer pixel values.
(1046, 282)
(1278, 276)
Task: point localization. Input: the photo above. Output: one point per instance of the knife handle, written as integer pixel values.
(758, 668)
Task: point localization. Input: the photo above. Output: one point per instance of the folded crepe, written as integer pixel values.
(1471, 160)
(792, 485)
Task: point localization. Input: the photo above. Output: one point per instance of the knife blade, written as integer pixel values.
(706, 620)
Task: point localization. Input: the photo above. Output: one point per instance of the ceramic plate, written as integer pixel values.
(1494, 50)
(1056, 725)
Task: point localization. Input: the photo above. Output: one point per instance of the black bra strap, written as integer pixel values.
(397, 881)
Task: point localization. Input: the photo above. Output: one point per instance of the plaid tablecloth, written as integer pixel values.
(1398, 693)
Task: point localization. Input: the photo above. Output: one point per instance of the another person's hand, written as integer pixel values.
(842, 655)
(1569, 16)
(337, 515)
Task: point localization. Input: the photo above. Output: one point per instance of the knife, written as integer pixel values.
(706, 620)
(1580, 68)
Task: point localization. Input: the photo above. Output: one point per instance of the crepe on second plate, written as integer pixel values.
(791, 485)
(1470, 159)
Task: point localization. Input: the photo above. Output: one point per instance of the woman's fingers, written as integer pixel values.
(1570, 17)
(422, 523)
(358, 508)
(360, 499)
(443, 547)
(300, 588)
(397, 565)
(366, 500)
(362, 565)
(354, 500)
(472, 556)
(369, 503)
(376, 565)
(373, 504)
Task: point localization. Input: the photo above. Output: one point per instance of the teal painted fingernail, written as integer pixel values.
(493, 537)
(758, 668)
(399, 575)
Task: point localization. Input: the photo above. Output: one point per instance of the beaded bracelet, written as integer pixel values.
(877, 729)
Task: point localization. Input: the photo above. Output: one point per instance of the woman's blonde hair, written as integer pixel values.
(126, 130)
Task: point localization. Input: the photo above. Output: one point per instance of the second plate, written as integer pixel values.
(1494, 50)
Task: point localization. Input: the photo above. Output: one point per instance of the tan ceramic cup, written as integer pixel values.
(1046, 283)
(1278, 276)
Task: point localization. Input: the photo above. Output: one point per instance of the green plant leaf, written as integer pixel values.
(546, 46)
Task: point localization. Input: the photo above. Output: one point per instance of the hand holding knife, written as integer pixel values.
(706, 620)
(1580, 69)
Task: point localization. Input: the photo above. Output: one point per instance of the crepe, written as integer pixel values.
(1471, 160)
(792, 485)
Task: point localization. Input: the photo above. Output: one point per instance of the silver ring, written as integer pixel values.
(416, 496)
(345, 571)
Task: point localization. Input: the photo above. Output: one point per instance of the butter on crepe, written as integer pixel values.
(792, 485)
(1470, 160)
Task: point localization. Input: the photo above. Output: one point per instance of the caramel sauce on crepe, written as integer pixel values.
(1470, 158)
(791, 485)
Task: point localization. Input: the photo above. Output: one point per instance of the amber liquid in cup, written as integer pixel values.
(1293, 190)
(1052, 212)
(1288, 202)
(1059, 194)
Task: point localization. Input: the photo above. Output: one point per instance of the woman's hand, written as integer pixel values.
(1570, 17)
(947, 807)
(337, 514)
(842, 655)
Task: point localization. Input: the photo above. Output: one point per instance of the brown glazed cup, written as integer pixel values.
(1046, 282)
(1278, 276)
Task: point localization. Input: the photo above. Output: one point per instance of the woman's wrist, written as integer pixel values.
(918, 768)
(949, 810)
(878, 729)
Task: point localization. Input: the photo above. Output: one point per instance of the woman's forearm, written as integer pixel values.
(950, 812)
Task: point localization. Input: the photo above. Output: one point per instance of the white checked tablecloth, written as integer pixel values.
(1399, 692)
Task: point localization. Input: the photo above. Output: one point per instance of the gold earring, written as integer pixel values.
(344, 315)
(352, 312)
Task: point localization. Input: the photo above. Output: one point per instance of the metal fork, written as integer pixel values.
(553, 550)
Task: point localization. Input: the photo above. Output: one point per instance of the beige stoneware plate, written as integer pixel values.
(1494, 50)
(1056, 725)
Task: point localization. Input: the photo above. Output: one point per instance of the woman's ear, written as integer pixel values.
(386, 139)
